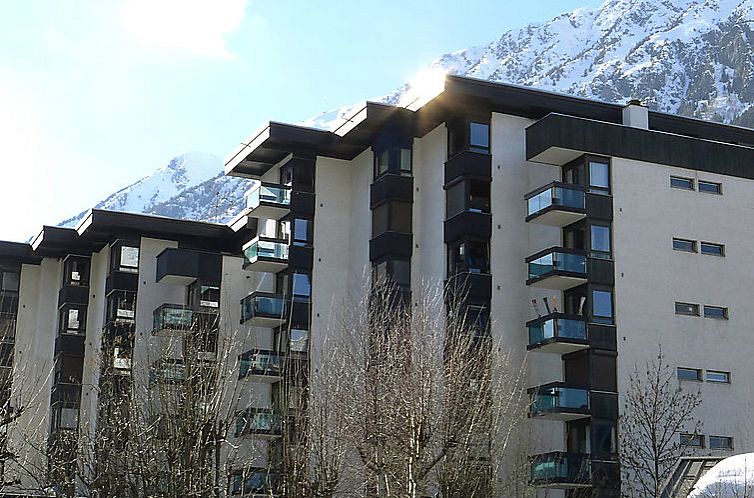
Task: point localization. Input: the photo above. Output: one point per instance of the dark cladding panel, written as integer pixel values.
(300, 258)
(471, 288)
(185, 265)
(70, 345)
(73, 294)
(603, 337)
(390, 244)
(302, 203)
(601, 271)
(121, 281)
(468, 225)
(604, 404)
(468, 163)
(599, 207)
(391, 187)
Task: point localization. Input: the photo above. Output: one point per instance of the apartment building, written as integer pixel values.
(588, 234)
(120, 310)
(585, 235)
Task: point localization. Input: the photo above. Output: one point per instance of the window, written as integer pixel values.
(72, 320)
(65, 418)
(124, 257)
(381, 163)
(302, 232)
(299, 340)
(391, 217)
(717, 376)
(599, 177)
(9, 281)
(720, 442)
(478, 320)
(470, 195)
(479, 137)
(712, 249)
(122, 307)
(682, 183)
(468, 256)
(695, 440)
(684, 245)
(717, 312)
(689, 374)
(393, 159)
(602, 307)
(600, 241)
(686, 309)
(297, 174)
(209, 296)
(710, 187)
(302, 287)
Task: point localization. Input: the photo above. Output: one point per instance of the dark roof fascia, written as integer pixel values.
(579, 135)
(14, 254)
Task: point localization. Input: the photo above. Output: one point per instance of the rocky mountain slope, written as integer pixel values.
(690, 57)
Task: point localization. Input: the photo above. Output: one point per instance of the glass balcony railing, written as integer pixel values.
(556, 195)
(179, 317)
(265, 249)
(561, 470)
(268, 194)
(556, 260)
(260, 362)
(258, 421)
(262, 307)
(557, 327)
(557, 398)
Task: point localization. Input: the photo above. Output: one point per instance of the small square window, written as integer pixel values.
(682, 183)
(689, 374)
(600, 241)
(710, 187)
(720, 442)
(717, 312)
(686, 309)
(602, 307)
(695, 440)
(712, 249)
(717, 376)
(684, 245)
(479, 137)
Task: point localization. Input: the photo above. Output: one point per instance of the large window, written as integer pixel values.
(298, 175)
(602, 307)
(72, 320)
(469, 195)
(65, 418)
(122, 307)
(9, 281)
(394, 271)
(396, 160)
(124, 257)
(470, 256)
(391, 216)
(473, 135)
(479, 137)
(76, 271)
(302, 232)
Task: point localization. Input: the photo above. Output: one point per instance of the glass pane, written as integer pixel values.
(301, 232)
(69, 418)
(715, 312)
(401, 272)
(684, 245)
(10, 281)
(600, 238)
(400, 217)
(684, 183)
(455, 199)
(129, 257)
(710, 187)
(602, 305)
(714, 376)
(686, 309)
(73, 319)
(689, 373)
(405, 160)
(301, 285)
(299, 340)
(599, 175)
(713, 249)
(383, 161)
(479, 136)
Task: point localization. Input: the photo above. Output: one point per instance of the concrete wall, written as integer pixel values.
(650, 277)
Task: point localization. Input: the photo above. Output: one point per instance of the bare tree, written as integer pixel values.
(409, 400)
(655, 413)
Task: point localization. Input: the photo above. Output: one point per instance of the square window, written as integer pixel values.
(479, 137)
(695, 440)
(129, 258)
(717, 376)
(599, 177)
(301, 285)
(712, 249)
(684, 245)
(682, 183)
(720, 443)
(689, 374)
(9, 281)
(717, 312)
(600, 241)
(710, 187)
(602, 307)
(299, 340)
(688, 309)
(302, 232)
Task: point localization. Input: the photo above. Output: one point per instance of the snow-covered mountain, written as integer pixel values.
(690, 57)
(192, 186)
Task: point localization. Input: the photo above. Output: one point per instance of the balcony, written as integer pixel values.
(260, 365)
(172, 319)
(557, 268)
(261, 422)
(265, 255)
(268, 201)
(557, 401)
(560, 470)
(263, 309)
(557, 204)
(184, 266)
(558, 333)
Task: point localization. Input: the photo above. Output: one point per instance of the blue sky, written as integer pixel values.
(95, 94)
